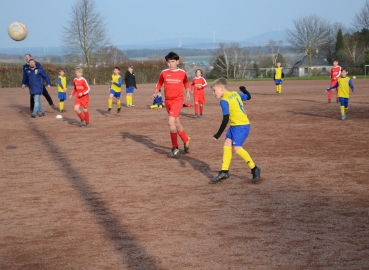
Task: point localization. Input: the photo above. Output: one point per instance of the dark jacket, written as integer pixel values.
(130, 80)
(25, 69)
(35, 80)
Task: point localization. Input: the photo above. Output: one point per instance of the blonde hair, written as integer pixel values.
(220, 81)
(79, 69)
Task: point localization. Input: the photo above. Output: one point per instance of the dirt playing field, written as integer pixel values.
(109, 197)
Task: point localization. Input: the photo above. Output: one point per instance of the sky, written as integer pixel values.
(140, 21)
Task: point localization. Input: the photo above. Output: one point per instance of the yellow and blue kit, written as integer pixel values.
(116, 86)
(62, 85)
(278, 76)
(344, 84)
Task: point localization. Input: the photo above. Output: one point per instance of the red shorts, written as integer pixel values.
(199, 99)
(82, 101)
(174, 107)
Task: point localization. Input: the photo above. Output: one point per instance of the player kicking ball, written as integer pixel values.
(174, 80)
(231, 103)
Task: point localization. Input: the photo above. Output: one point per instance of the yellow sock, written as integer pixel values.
(127, 100)
(246, 157)
(154, 106)
(118, 103)
(61, 105)
(227, 157)
(130, 100)
(110, 102)
(342, 110)
(277, 88)
(280, 88)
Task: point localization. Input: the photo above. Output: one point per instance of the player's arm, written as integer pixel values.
(158, 85)
(339, 73)
(274, 72)
(351, 85)
(204, 83)
(134, 81)
(44, 76)
(60, 83)
(187, 86)
(225, 109)
(86, 89)
(73, 91)
(245, 94)
(119, 83)
(333, 87)
(282, 73)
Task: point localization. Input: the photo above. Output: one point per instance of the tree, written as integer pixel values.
(361, 20)
(86, 32)
(340, 43)
(310, 33)
(109, 56)
(275, 50)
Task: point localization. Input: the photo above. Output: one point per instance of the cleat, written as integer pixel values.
(132, 105)
(53, 106)
(33, 115)
(220, 177)
(200, 115)
(82, 123)
(128, 106)
(343, 116)
(195, 116)
(87, 125)
(118, 110)
(41, 114)
(329, 101)
(174, 152)
(255, 174)
(187, 146)
(109, 110)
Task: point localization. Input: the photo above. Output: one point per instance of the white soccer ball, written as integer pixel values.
(59, 116)
(17, 31)
(354, 77)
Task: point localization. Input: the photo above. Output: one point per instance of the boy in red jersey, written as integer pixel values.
(174, 80)
(197, 88)
(335, 74)
(81, 89)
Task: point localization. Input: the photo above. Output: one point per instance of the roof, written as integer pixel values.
(317, 60)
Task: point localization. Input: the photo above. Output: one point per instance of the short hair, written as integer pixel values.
(198, 70)
(28, 54)
(31, 60)
(335, 60)
(220, 81)
(117, 68)
(171, 56)
(61, 70)
(79, 69)
(344, 69)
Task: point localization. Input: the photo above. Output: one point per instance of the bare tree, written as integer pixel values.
(354, 48)
(85, 33)
(310, 33)
(361, 19)
(108, 56)
(275, 50)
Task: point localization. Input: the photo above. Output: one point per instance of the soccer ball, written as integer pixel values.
(17, 31)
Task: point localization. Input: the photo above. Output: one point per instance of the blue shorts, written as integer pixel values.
(344, 101)
(130, 90)
(62, 95)
(277, 82)
(238, 134)
(116, 94)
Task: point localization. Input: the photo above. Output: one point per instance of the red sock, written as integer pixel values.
(201, 109)
(80, 115)
(196, 108)
(87, 117)
(183, 136)
(173, 136)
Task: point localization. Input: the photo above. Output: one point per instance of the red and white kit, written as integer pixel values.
(81, 86)
(197, 87)
(335, 74)
(175, 81)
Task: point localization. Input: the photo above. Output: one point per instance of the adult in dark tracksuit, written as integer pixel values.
(45, 93)
(35, 80)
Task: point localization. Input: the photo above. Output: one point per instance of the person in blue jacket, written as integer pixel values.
(45, 93)
(35, 78)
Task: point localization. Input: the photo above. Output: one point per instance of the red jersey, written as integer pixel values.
(80, 86)
(174, 81)
(335, 73)
(197, 86)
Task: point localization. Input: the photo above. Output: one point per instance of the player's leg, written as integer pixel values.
(156, 106)
(196, 107)
(62, 97)
(173, 136)
(87, 116)
(36, 100)
(41, 108)
(182, 134)
(201, 103)
(45, 93)
(240, 134)
(226, 161)
(330, 93)
(31, 103)
(342, 108)
(280, 88)
(110, 100)
(117, 96)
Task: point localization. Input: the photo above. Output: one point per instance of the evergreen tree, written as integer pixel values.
(340, 44)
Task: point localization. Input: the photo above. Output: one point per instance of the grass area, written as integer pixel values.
(205, 58)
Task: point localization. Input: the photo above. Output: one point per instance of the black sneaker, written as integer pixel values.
(255, 174)
(33, 115)
(200, 115)
(187, 146)
(82, 123)
(221, 176)
(174, 152)
(87, 125)
(118, 111)
(109, 110)
(195, 116)
(41, 114)
(54, 107)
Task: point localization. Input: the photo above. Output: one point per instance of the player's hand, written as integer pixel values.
(215, 139)
(70, 96)
(23, 86)
(80, 94)
(48, 86)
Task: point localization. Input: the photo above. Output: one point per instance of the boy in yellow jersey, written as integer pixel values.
(62, 89)
(278, 77)
(233, 112)
(343, 84)
(115, 89)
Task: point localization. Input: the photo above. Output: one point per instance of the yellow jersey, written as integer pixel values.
(232, 104)
(278, 73)
(62, 83)
(117, 83)
(344, 83)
